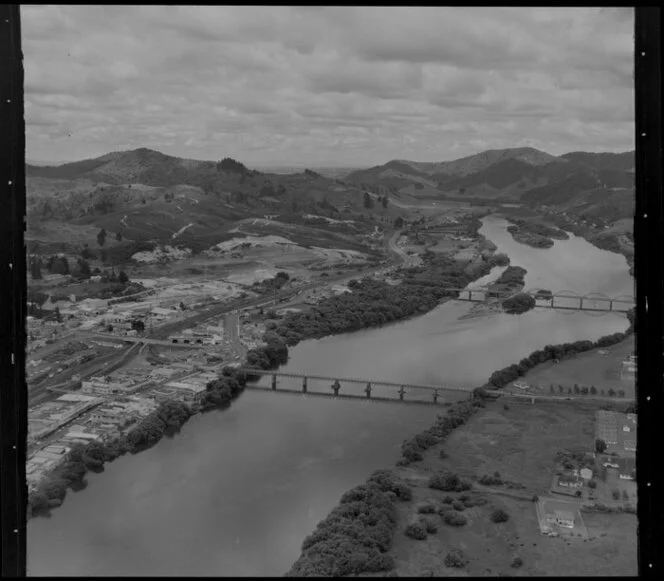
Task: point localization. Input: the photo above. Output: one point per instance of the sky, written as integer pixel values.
(325, 86)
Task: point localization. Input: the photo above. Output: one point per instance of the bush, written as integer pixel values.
(516, 563)
(427, 508)
(458, 506)
(416, 531)
(448, 482)
(592, 484)
(490, 480)
(499, 515)
(456, 558)
(454, 519)
(430, 525)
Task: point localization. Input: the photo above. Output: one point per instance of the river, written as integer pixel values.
(236, 492)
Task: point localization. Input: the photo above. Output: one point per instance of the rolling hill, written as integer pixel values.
(146, 197)
(600, 184)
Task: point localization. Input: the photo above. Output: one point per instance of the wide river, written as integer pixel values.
(236, 492)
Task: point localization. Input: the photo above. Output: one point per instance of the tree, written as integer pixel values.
(600, 445)
(35, 268)
(612, 393)
(58, 316)
(384, 201)
(593, 390)
(122, 277)
(84, 268)
(368, 201)
(499, 515)
(576, 389)
(398, 222)
(86, 252)
(138, 325)
(118, 236)
(183, 307)
(101, 237)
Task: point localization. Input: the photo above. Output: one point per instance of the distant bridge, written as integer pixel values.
(596, 302)
(193, 344)
(400, 390)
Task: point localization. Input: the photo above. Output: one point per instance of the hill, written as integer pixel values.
(596, 183)
(144, 196)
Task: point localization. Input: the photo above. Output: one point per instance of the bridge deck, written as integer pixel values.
(377, 383)
(440, 403)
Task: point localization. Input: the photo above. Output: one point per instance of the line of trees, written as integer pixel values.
(508, 374)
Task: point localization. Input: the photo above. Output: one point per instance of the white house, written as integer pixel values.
(561, 518)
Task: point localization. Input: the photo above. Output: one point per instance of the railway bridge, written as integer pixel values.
(565, 300)
(353, 387)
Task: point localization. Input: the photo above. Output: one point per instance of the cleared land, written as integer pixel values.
(521, 443)
(586, 369)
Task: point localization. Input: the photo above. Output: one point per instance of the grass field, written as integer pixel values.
(591, 368)
(521, 443)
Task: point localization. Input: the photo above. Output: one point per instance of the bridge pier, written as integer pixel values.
(402, 392)
(274, 382)
(304, 384)
(336, 386)
(581, 303)
(435, 396)
(610, 305)
(368, 390)
(470, 295)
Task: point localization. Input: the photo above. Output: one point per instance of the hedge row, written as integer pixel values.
(504, 376)
(457, 414)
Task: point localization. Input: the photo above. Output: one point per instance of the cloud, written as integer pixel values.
(336, 85)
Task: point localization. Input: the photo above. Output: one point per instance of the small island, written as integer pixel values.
(535, 234)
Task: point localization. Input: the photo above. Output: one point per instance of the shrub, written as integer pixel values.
(616, 494)
(516, 562)
(443, 454)
(430, 525)
(499, 515)
(427, 508)
(416, 531)
(454, 519)
(456, 558)
(592, 484)
(490, 480)
(448, 482)
(458, 506)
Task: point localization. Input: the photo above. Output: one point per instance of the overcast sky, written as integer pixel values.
(325, 86)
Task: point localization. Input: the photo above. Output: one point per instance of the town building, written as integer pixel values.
(568, 480)
(561, 518)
